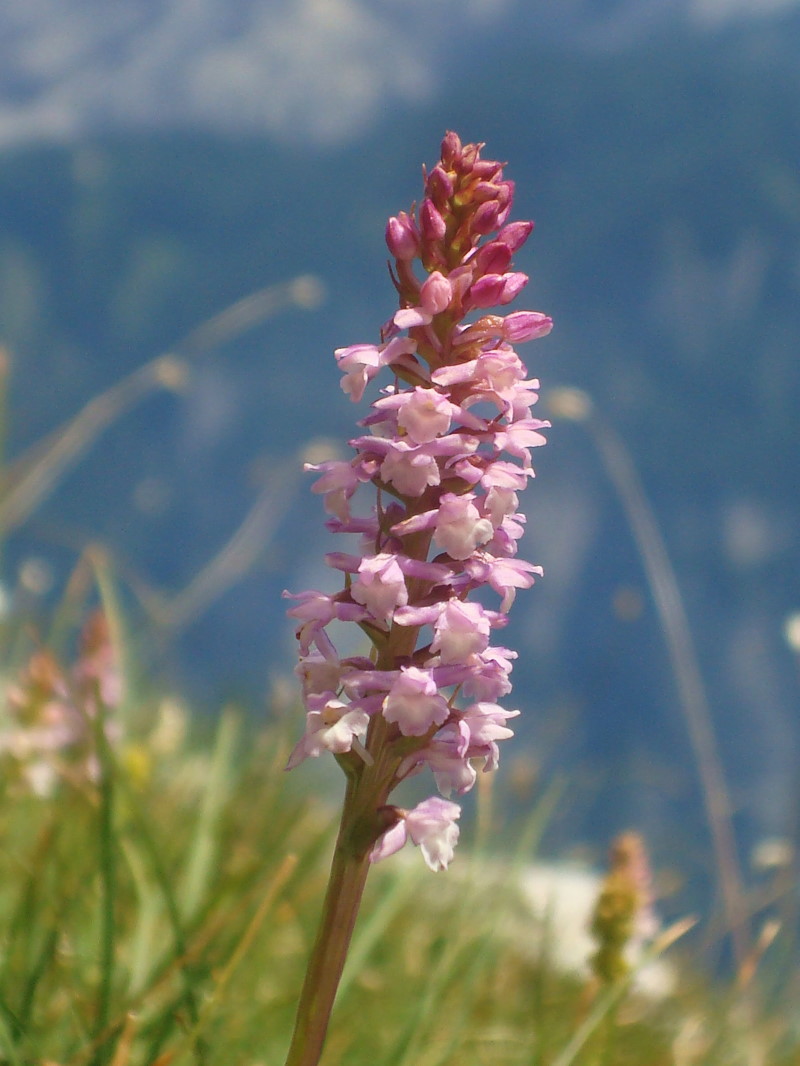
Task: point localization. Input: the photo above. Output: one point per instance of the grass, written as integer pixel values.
(161, 912)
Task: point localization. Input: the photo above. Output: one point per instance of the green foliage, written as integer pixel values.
(160, 911)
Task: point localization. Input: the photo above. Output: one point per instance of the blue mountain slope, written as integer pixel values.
(664, 184)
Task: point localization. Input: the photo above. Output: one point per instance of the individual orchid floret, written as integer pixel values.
(461, 631)
(457, 524)
(318, 673)
(338, 482)
(361, 362)
(410, 468)
(485, 725)
(446, 758)
(414, 703)
(402, 237)
(505, 576)
(434, 297)
(459, 527)
(333, 727)
(431, 825)
(381, 586)
(424, 414)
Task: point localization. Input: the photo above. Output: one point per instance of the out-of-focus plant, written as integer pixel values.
(50, 713)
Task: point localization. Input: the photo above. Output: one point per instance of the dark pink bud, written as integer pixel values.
(493, 258)
(488, 291)
(485, 218)
(515, 234)
(485, 191)
(439, 186)
(402, 237)
(526, 326)
(431, 222)
(505, 212)
(451, 150)
(487, 169)
(505, 198)
(513, 286)
(470, 157)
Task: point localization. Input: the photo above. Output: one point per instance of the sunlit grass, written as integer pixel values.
(163, 913)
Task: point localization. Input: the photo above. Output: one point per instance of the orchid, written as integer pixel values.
(445, 449)
(51, 712)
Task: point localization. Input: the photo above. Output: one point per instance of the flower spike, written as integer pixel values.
(444, 520)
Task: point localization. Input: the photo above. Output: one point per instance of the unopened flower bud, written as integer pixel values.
(513, 284)
(515, 234)
(439, 186)
(487, 292)
(492, 258)
(436, 293)
(526, 326)
(402, 237)
(485, 218)
(451, 150)
(484, 169)
(431, 222)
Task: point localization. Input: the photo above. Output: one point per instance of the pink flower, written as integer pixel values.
(457, 524)
(430, 825)
(318, 674)
(461, 631)
(459, 527)
(434, 297)
(504, 575)
(410, 468)
(485, 723)
(338, 482)
(414, 702)
(361, 362)
(424, 414)
(520, 436)
(333, 728)
(381, 586)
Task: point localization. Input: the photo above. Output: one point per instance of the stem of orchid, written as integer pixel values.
(340, 910)
(366, 793)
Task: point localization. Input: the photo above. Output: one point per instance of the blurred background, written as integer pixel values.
(160, 162)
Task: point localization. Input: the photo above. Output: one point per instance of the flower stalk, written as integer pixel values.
(446, 449)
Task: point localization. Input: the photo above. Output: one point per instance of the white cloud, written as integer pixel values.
(317, 69)
(321, 69)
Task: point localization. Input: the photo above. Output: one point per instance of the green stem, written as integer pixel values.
(349, 869)
(108, 871)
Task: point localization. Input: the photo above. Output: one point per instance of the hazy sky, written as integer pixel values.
(317, 69)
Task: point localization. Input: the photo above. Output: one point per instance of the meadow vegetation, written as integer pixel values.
(161, 881)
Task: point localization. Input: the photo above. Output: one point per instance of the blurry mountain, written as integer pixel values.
(664, 181)
(297, 70)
